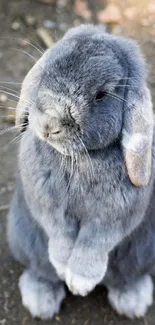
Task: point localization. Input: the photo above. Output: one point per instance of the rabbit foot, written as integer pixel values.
(134, 301)
(40, 298)
(80, 285)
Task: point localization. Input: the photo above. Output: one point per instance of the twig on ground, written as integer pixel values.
(45, 37)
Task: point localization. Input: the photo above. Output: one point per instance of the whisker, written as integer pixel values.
(8, 107)
(21, 39)
(129, 86)
(38, 45)
(8, 93)
(15, 91)
(77, 164)
(71, 175)
(13, 128)
(90, 169)
(18, 137)
(72, 168)
(12, 100)
(3, 116)
(14, 95)
(10, 82)
(88, 158)
(14, 108)
(125, 78)
(113, 95)
(28, 54)
(61, 168)
(41, 52)
(7, 130)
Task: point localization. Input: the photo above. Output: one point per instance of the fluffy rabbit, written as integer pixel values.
(82, 211)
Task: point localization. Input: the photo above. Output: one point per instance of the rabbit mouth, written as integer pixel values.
(67, 145)
(66, 148)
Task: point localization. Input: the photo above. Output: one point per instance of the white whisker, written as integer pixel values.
(28, 54)
(7, 107)
(15, 91)
(14, 95)
(18, 137)
(41, 50)
(13, 128)
(8, 93)
(91, 168)
(11, 82)
(3, 116)
(113, 95)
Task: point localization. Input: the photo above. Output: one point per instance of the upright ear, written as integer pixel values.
(137, 135)
(29, 92)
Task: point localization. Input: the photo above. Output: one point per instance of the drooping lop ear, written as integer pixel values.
(137, 135)
(28, 93)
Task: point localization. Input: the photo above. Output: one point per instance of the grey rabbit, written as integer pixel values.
(83, 210)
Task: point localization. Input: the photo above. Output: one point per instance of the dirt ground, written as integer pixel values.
(15, 32)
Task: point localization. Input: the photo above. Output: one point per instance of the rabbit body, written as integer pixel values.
(76, 217)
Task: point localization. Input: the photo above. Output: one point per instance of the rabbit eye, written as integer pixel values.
(99, 96)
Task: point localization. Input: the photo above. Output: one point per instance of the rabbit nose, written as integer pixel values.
(53, 129)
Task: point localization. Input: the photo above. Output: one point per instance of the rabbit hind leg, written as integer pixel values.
(134, 300)
(41, 289)
(42, 298)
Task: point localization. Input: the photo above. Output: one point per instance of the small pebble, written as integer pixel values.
(145, 22)
(30, 20)
(47, 1)
(63, 27)
(49, 24)
(151, 8)
(16, 25)
(81, 9)
(6, 294)
(3, 190)
(4, 207)
(110, 15)
(3, 321)
(130, 13)
(86, 322)
(62, 3)
(3, 98)
(11, 271)
(152, 32)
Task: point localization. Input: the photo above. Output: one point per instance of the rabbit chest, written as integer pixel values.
(99, 184)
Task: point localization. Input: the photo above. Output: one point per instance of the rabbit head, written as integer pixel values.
(88, 91)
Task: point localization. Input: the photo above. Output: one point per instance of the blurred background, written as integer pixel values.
(27, 28)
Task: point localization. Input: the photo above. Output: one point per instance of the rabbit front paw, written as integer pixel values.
(85, 272)
(60, 268)
(80, 285)
(59, 257)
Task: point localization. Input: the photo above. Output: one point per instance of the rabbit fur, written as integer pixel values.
(83, 209)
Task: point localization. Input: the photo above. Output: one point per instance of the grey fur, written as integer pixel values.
(75, 206)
